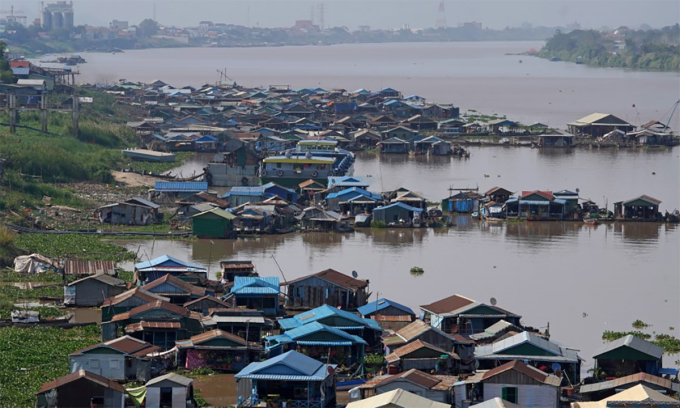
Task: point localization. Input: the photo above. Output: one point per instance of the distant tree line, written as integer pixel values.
(651, 49)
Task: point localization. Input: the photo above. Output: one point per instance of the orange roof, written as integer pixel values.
(159, 304)
(416, 345)
(336, 278)
(548, 195)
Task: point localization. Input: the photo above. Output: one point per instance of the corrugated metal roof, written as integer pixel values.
(181, 186)
(397, 398)
(629, 379)
(74, 267)
(323, 312)
(289, 366)
(250, 285)
(172, 377)
(636, 343)
(158, 263)
(493, 351)
(335, 277)
(299, 333)
(381, 304)
(77, 375)
(106, 279)
(399, 204)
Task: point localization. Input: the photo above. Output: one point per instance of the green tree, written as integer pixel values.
(147, 28)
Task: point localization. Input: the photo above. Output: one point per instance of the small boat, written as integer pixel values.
(591, 221)
(362, 220)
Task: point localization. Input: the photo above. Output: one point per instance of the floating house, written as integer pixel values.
(536, 205)
(398, 214)
(433, 146)
(170, 390)
(394, 145)
(175, 289)
(398, 398)
(385, 307)
(291, 376)
(629, 355)
(462, 315)
(126, 301)
(419, 355)
(437, 388)
(498, 194)
(77, 268)
(597, 125)
(638, 396)
(557, 139)
(421, 331)
(124, 358)
(163, 265)
(237, 167)
(463, 202)
(643, 207)
(321, 342)
(533, 349)
(204, 304)
(81, 389)
(232, 269)
(217, 350)
(178, 189)
(259, 293)
(605, 389)
(245, 323)
(367, 329)
(159, 323)
(515, 382)
(328, 287)
(92, 290)
(136, 211)
(353, 201)
(570, 198)
(213, 223)
(318, 219)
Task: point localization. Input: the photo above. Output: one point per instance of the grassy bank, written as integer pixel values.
(33, 356)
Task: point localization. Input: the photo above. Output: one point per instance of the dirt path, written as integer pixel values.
(134, 179)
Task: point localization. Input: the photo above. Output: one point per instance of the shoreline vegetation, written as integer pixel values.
(657, 50)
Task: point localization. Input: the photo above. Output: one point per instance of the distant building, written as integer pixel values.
(119, 25)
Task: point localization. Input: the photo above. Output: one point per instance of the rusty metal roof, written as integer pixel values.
(448, 304)
(130, 328)
(75, 267)
(136, 292)
(416, 345)
(176, 282)
(336, 278)
(159, 304)
(69, 378)
(629, 379)
(525, 369)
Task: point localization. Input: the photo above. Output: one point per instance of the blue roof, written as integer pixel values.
(167, 261)
(206, 139)
(399, 204)
(387, 90)
(566, 193)
(381, 304)
(245, 191)
(297, 335)
(290, 366)
(159, 137)
(346, 181)
(183, 186)
(323, 312)
(271, 184)
(356, 191)
(247, 285)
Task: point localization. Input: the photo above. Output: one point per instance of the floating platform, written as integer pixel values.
(148, 155)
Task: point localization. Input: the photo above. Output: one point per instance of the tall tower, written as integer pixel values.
(441, 15)
(321, 12)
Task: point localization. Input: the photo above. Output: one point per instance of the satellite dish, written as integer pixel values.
(355, 274)
(493, 301)
(578, 190)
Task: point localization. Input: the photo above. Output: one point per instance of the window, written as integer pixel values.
(94, 363)
(510, 394)
(114, 364)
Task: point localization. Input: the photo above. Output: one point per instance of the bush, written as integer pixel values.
(378, 224)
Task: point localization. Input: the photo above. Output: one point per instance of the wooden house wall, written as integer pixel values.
(79, 393)
(512, 377)
(104, 362)
(93, 292)
(313, 292)
(529, 396)
(436, 339)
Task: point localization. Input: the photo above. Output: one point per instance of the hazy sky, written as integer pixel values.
(385, 14)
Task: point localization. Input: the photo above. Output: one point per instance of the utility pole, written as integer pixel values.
(75, 113)
(43, 111)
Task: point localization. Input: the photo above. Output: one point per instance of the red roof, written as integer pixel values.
(448, 304)
(136, 292)
(69, 378)
(548, 195)
(124, 344)
(19, 64)
(336, 278)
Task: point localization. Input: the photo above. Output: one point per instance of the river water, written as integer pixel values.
(581, 279)
(473, 75)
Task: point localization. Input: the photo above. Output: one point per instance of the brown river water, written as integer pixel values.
(581, 279)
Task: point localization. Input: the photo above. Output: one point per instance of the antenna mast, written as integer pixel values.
(441, 16)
